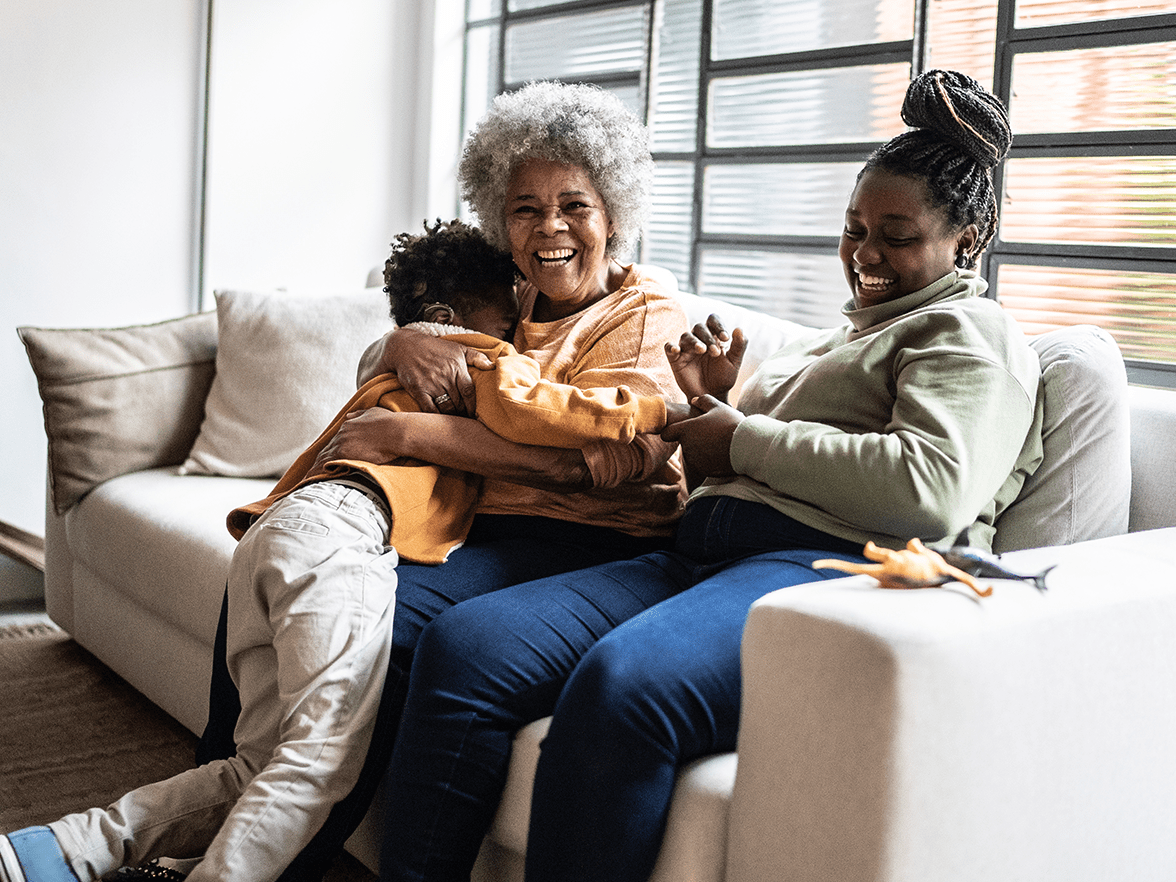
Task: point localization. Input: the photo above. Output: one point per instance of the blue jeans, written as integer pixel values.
(501, 550)
(654, 645)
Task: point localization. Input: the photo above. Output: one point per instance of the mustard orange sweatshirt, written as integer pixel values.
(432, 506)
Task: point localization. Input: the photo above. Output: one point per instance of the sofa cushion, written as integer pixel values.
(160, 539)
(1082, 489)
(1153, 480)
(285, 364)
(117, 400)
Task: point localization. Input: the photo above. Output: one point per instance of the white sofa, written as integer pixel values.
(913, 736)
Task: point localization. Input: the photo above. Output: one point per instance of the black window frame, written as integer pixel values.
(1011, 42)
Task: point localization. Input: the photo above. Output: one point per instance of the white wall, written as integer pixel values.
(320, 149)
(97, 121)
(312, 109)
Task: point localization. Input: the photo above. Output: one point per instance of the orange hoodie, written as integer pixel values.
(432, 506)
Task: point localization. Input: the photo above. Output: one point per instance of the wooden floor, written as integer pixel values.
(22, 546)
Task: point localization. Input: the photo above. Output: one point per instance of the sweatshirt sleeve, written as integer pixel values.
(957, 429)
(631, 353)
(527, 409)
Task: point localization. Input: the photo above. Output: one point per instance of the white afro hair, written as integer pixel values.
(578, 125)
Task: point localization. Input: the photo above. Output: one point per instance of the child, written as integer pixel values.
(312, 593)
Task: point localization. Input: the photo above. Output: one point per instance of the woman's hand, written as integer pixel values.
(433, 370)
(706, 438)
(701, 364)
(380, 436)
(374, 435)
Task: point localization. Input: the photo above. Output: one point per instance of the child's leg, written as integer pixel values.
(177, 817)
(310, 624)
(311, 590)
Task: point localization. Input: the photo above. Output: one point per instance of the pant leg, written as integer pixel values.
(311, 601)
(501, 550)
(483, 670)
(177, 817)
(311, 590)
(224, 702)
(658, 691)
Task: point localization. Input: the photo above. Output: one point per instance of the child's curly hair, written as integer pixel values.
(450, 263)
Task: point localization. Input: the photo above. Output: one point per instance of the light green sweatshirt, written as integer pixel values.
(921, 417)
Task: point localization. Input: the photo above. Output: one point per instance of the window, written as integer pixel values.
(762, 111)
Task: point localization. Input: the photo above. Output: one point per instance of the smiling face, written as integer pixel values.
(894, 241)
(558, 229)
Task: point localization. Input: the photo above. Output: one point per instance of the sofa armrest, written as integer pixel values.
(929, 735)
(59, 567)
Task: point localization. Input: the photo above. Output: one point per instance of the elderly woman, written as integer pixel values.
(559, 176)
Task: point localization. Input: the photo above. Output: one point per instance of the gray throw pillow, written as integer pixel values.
(1082, 490)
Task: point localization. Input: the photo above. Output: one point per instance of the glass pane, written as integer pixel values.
(746, 28)
(1138, 309)
(961, 35)
(673, 108)
(666, 240)
(570, 46)
(1038, 13)
(516, 5)
(1111, 200)
(481, 84)
(1085, 90)
(840, 105)
(796, 199)
(805, 288)
(479, 9)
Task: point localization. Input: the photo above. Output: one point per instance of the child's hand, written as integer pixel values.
(700, 363)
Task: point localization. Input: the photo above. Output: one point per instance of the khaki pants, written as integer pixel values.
(312, 591)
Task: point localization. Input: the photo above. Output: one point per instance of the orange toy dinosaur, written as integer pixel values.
(916, 566)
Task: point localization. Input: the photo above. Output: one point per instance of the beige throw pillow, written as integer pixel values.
(285, 364)
(118, 400)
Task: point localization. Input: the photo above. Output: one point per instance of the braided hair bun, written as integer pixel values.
(960, 133)
(959, 110)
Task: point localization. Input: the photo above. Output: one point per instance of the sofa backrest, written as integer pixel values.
(1082, 489)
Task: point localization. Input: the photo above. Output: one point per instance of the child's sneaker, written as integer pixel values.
(33, 855)
(153, 870)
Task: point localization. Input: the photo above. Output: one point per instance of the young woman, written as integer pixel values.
(917, 418)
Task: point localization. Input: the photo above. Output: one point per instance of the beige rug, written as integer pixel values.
(74, 735)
